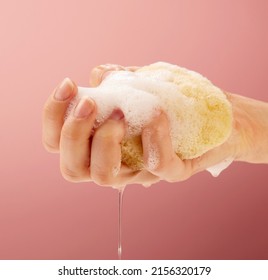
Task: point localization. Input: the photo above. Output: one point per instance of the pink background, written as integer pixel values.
(44, 217)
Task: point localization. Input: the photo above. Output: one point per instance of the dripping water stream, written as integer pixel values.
(120, 204)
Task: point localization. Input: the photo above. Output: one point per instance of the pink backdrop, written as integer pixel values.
(44, 217)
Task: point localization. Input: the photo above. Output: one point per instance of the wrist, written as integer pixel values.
(250, 129)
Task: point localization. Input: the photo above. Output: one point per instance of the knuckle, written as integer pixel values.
(69, 132)
(70, 175)
(49, 147)
(110, 132)
(51, 119)
(102, 181)
(101, 177)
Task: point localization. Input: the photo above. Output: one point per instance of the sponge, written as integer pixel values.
(199, 114)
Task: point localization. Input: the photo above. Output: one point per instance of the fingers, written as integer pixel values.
(75, 142)
(99, 73)
(81, 160)
(106, 150)
(54, 113)
(159, 156)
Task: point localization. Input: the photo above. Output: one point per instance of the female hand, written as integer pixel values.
(87, 155)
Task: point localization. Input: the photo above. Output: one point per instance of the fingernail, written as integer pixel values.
(64, 91)
(84, 108)
(117, 115)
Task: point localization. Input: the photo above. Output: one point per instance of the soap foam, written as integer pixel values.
(216, 169)
(139, 96)
(137, 105)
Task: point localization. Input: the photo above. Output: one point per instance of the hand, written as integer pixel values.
(96, 156)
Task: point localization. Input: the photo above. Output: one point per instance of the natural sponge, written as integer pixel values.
(199, 113)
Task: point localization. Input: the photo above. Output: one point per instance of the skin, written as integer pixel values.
(95, 155)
